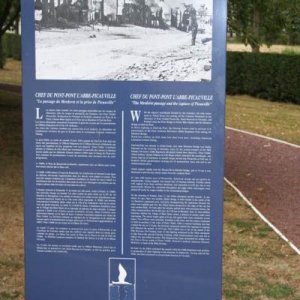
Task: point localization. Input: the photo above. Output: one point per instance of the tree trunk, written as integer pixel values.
(255, 48)
(2, 54)
(255, 30)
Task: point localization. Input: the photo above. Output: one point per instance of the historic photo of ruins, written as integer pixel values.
(144, 40)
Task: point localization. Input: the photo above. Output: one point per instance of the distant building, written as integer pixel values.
(149, 13)
(78, 11)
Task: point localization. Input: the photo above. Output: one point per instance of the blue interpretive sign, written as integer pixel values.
(123, 106)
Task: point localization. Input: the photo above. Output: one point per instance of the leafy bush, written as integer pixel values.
(264, 75)
(12, 45)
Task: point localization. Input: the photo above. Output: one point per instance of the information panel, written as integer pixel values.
(123, 148)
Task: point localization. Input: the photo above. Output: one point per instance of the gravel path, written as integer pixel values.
(268, 174)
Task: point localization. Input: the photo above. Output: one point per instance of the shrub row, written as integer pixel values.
(264, 75)
(12, 45)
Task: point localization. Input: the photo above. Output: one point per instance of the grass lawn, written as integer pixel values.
(257, 263)
(11, 73)
(272, 119)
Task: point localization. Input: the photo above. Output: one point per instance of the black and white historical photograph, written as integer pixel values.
(153, 40)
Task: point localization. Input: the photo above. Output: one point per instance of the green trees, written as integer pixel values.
(9, 14)
(256, 22)
(292, 26)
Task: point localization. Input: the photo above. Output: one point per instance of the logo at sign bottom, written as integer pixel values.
(122, 279)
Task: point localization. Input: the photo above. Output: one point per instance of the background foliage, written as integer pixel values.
(9, 16)
(255, 22)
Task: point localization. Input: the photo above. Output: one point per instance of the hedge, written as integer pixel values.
(12, 45)
(269, 76)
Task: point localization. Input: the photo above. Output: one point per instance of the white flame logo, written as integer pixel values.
(122, 276)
